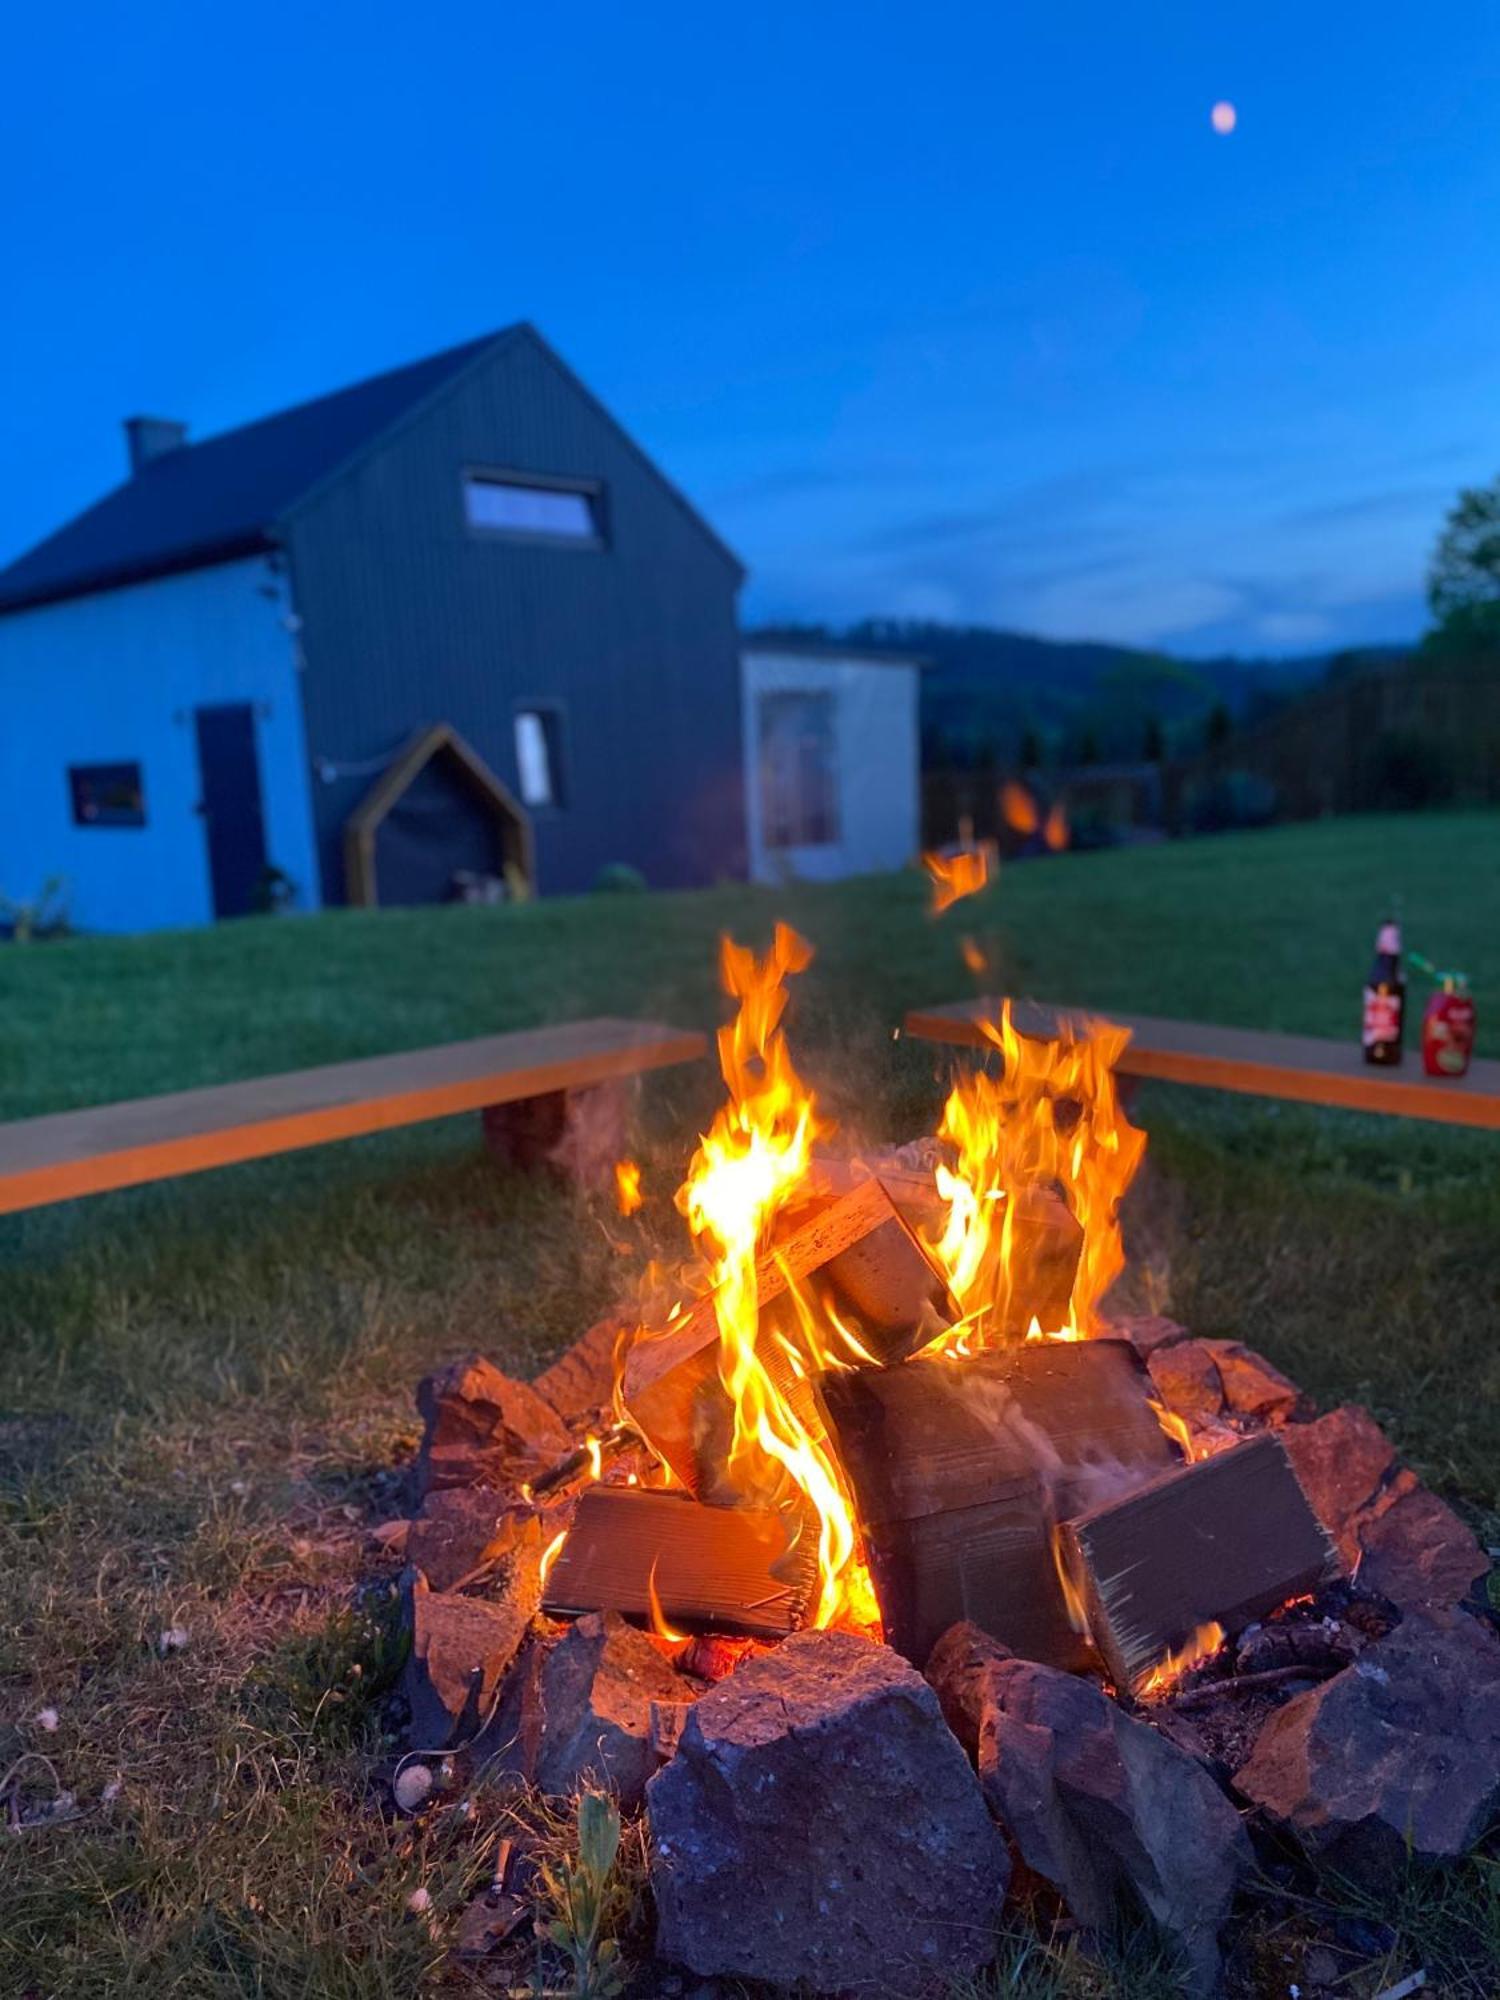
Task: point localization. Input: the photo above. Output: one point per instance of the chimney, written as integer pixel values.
(152, 437)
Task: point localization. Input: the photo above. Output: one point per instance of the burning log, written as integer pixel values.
(961, 1466)
(874, 1271)
(728, 1569)
(1218, 1543)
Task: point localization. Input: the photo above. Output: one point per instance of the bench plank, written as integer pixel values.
(1303, 1068)
(71, 1153)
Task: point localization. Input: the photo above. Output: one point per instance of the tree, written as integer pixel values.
(1154, 740)
(1463, 579)
(1219, 724)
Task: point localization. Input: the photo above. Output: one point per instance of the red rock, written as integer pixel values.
(1147, 1332)
(1252, 1386)
(483, 1429)
(1342, 1460)
(457, 1528)
(1187, 1380)
(597, 1690)
(580, 1383)
(819, 1826)
(1399, 1753)
(1418, 1552)
(461, 1648)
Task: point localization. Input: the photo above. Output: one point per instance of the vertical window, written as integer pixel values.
(541, 510)
(539, 756)
(798, 770)
(107, 794)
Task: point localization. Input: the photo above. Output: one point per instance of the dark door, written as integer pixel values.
(229, 773)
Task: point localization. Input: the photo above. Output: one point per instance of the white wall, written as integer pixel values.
(114, 678)
(879, 758)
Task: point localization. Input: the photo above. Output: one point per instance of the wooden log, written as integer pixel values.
(1220, 1542)
(722, 1569)
(960, 1467)
(876, 1274)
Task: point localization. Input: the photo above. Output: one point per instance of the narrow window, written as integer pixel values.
(539, 756)
(798, 770)
(107, 794)
(534, 510)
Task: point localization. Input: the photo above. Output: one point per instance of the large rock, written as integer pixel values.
(460, 1528)
(461, 1648)
(597, 1689)
(581, 1381)
(483, 1429)
(1205, 1379)
(1343, 1460)
(1099, 1804)
(819, 1824)
(1401, 1749)
(1418, 1552)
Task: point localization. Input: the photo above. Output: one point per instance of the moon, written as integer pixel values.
(1223, 117)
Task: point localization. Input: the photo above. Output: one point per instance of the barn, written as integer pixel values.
(448, 632)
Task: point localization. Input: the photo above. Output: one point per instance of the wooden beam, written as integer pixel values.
(877, 1273)
(152, 1138)
(1220, 1542)
(1300, 1068)
(960, 1467)
(716, 1569)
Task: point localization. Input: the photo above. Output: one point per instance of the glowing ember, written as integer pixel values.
(955, 876)
(1055, 829)
(1052, 1120)
(1163, 1677)
(1019, 809)
(974, 958)
(627, 1186)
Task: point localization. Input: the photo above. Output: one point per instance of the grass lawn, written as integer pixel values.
(205, 1386)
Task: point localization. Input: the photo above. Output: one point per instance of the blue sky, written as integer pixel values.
(954, 311)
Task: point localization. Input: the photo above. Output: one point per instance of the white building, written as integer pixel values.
(832, 760)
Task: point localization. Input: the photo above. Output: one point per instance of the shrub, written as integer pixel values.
(1409, 769)
(618, 878)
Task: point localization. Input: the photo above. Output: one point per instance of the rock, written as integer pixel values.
(1146, 1332)
(1099, 1804)
(1418, 1552)
(597, 1689)
(1187, 1380)
(413, 1787)
(1252, 1386)
(457, 1528)
(483, 1429)
(460, 1650)
(581, 1381)
(819, 1824)
(1342, 1460)
(1401, 1748)
(506, 1755)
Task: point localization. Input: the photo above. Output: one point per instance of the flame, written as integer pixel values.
(659, 1624)
(550, 1555)
(595, 1451)
(1018, 809)
(955, 876)
(1051, 1121)
(627, 1186)
(1055, 828)
(1202, 1644)
(748, 1166)
(1073, 1603)
(1176, 1428)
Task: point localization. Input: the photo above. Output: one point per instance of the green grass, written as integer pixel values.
(205, 1387)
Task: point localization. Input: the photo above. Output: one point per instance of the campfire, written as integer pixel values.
(878, 1422)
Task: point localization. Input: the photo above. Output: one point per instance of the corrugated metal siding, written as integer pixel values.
(409, 617)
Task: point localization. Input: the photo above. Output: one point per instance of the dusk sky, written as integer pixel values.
(951, 311)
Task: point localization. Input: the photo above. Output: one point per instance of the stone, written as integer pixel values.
(1146, 1332)
(581, 1381)
(597, 1689)
(457, 1529)
(1418, 1552)
(1187, 1380)
(1252, 1386)
(1400, 1749)
(483, 1429)
(461, 1648)
(1342, 1460)
(1099, 1804)
(820, 1824)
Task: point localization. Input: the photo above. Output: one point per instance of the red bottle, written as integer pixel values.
(1385, 999)
(1448, 1028)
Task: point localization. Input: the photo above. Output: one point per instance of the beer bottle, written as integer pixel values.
(1385, 998)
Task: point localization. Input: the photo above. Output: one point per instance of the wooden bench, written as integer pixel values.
(1300, 1067)
(74, 1153)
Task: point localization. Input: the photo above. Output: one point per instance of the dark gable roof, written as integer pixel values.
(204, 503)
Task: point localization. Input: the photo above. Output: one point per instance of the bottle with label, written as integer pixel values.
(1448, 1027)
(1385, 999)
